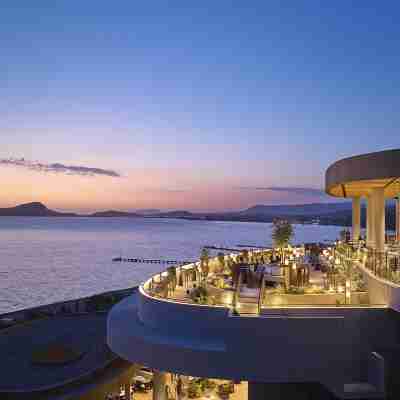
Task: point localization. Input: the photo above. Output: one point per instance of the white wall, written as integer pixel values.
(330, 347)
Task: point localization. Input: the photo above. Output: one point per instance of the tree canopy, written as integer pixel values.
(282, 232)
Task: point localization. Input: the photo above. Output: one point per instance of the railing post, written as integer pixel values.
(387, 266)
(236, 297)
(261, 294)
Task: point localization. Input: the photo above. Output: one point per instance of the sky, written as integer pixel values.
(207, 106)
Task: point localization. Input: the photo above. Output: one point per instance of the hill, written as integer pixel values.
(313, 209)
(34, 209)
(325, 213)
(114, 214)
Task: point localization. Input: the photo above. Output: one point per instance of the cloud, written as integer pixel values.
(304, 191)
(57, 168)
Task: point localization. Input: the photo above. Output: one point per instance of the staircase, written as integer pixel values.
(247, 300)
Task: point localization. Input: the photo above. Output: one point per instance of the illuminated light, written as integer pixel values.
(331, 289)
(286, 262)
(347, 284)
(340, 289)
(294, 266)
(337, 261)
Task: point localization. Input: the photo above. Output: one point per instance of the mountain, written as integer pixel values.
(313, 209)
(326, 213)
(34, 209)
(149, 211)
(114, 214)
(178, 214)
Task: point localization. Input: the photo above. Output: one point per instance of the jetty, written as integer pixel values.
(222, 249)
(152, 261)
(252, 246)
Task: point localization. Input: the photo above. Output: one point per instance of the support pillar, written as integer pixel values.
(379, 218)
(159, 385)
(356, 217)
(127, 388)
(370, 221)
(398, 219)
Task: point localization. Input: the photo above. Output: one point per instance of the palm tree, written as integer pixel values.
(204, 263)
(282, 233)
(221, 260)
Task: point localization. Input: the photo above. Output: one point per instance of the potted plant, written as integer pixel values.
(194, 389)
(224, 390)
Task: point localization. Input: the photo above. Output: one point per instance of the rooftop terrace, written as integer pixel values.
(256, 282)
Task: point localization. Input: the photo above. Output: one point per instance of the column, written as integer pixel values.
(159, 384)
(370, 224)
(356, 217)
(378, 195)
(398, 219)
(127, 388)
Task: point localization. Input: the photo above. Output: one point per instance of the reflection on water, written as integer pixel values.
(44, 260)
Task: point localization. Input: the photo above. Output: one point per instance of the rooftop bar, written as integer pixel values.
(318, 275)
(255, 282)
(278, 316)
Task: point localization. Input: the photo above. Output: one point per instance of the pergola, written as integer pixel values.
(375, 177)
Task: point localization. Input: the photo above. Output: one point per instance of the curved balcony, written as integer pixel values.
(381, 271)
(263, 288)
(167, 332)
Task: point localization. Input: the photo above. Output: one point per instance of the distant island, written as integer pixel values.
(316, 213)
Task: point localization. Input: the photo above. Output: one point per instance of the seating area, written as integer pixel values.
(308, 275)
(181, 387)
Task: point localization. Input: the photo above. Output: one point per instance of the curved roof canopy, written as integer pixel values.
(358, 175)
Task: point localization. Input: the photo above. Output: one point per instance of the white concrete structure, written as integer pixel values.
(378, 219)
(159, 385)
(374, 177)
(209, 341)
(397, 219)
(332, 345)
(356, 222)
(370, 225)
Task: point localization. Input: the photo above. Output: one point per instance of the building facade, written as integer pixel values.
(326, 338)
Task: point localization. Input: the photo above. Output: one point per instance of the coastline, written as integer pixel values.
(266, 220)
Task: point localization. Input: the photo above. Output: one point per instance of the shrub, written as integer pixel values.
(194, 389)
(199, 295)
(295, 290)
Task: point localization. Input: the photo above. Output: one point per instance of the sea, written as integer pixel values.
(46, 260)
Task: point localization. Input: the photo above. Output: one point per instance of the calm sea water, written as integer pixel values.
(44, 260)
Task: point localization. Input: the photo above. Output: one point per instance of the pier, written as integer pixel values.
(151, 261)
(222, 249)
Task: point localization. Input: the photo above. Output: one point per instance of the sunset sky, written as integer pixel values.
(209, 105)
